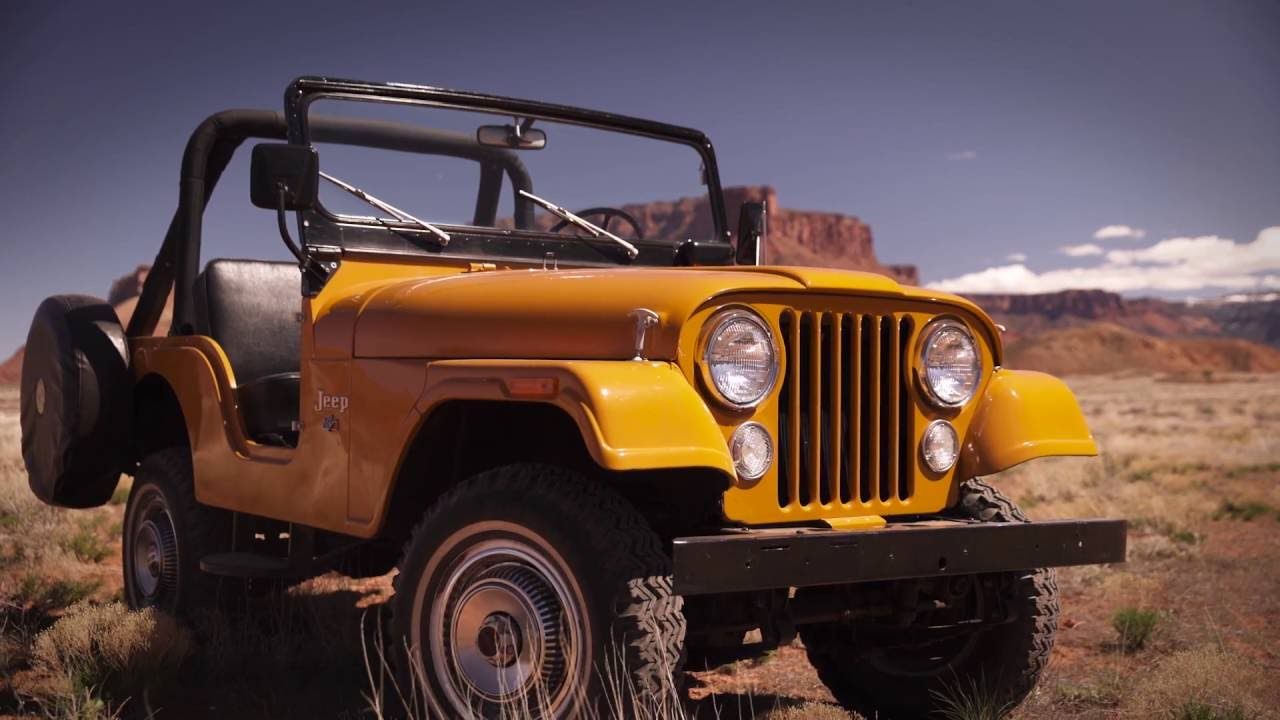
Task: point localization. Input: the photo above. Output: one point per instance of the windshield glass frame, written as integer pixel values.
(364, 233)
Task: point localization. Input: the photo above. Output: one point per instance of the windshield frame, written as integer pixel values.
(359, 233)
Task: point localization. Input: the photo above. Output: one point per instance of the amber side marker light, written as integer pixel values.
(532, 387)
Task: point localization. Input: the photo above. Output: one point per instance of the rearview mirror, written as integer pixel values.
(516, 137)
(752, 227)
(295, 169)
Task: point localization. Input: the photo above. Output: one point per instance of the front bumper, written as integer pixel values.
(766, 559)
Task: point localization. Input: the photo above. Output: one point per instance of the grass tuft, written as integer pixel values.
(970, 699)
(87, 543)
(1246, 510)
(1195, 710)
(110, 651)
(44, 594)
(1134, 626)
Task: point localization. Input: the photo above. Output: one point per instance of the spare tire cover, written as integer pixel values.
(76, 401)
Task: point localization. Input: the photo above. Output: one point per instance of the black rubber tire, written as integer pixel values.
(77, 393)
(615, 558)
(198, 529)
(1003, 667)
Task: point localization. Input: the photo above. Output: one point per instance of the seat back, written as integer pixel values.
(252, 309)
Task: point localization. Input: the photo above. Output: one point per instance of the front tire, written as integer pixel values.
(166, 532)
(998, 666)
(528, 591)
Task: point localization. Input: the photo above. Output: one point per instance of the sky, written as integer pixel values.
(1004, 146)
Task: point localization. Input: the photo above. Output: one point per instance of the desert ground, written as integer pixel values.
(1187, 629)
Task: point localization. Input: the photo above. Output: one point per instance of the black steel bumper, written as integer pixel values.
(763, 559)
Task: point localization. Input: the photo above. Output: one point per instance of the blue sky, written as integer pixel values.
(965, 133)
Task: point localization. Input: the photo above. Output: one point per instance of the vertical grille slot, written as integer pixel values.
(906, 429)
(850, 409)
(845, 416)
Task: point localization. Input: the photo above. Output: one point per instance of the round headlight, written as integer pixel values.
(950, 363)
(740, 358)
(752, 450)
(940, 446)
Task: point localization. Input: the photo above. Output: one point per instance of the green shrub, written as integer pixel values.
(1134, 626)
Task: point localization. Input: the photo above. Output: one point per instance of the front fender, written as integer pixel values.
(1024, 415)
(633, 415)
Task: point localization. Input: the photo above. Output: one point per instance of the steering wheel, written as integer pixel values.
(606, 214)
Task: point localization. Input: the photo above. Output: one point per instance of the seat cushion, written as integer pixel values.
(253, 310)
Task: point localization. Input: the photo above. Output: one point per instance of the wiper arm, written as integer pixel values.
(595, 230)
(387, 207)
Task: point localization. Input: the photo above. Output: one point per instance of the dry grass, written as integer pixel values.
(1194, 465)
(1205, 682)
(109, 651)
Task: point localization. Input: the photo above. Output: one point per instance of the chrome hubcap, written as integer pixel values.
(155, 554)
(508, 631)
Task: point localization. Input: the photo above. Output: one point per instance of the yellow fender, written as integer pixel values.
(1024, 415)
(633, 415)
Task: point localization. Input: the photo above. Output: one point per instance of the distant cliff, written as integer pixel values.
(796, 237)
(1094, 331)
(1031, 314)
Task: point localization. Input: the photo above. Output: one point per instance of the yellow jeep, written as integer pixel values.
(599, 445)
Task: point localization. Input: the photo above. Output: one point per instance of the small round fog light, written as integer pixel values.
(940, 446)
(752, 450)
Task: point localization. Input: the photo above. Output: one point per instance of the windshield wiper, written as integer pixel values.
(387, 207)
(595, 230)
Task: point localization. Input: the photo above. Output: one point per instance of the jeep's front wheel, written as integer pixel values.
(909, 672)
(529, 591)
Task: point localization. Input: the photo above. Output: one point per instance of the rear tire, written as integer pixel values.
(528, 591)
(999, 665)
(166, 532)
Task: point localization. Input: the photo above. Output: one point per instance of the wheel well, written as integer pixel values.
(158, 422)
(464, 437)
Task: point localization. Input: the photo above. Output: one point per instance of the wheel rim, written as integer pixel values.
(506, 631)
(154, 566)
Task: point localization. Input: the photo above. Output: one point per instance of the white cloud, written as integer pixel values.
(1016, 257)
(1084, 250)
(1119, 232)
(963, 155)
(1181, 264)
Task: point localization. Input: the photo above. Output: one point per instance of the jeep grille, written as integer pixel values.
(845, 421)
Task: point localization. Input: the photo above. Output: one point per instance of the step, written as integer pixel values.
(249, 565)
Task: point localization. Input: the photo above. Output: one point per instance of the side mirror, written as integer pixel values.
(752, 228)
(277, 166)
(515, 137)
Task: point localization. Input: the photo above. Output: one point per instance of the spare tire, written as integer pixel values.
(76, 401)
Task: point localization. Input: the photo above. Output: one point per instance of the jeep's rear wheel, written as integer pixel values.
(166, 532)
(997, 665)
(527, 591)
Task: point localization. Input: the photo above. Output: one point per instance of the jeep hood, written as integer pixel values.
(579, 313)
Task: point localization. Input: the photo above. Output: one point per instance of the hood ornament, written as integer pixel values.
(644, 319)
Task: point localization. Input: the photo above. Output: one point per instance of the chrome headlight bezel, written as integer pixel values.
(711, 331)
(924, 443)
(738, 436)
(922, 375)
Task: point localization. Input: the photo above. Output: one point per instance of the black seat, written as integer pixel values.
(253, 310)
